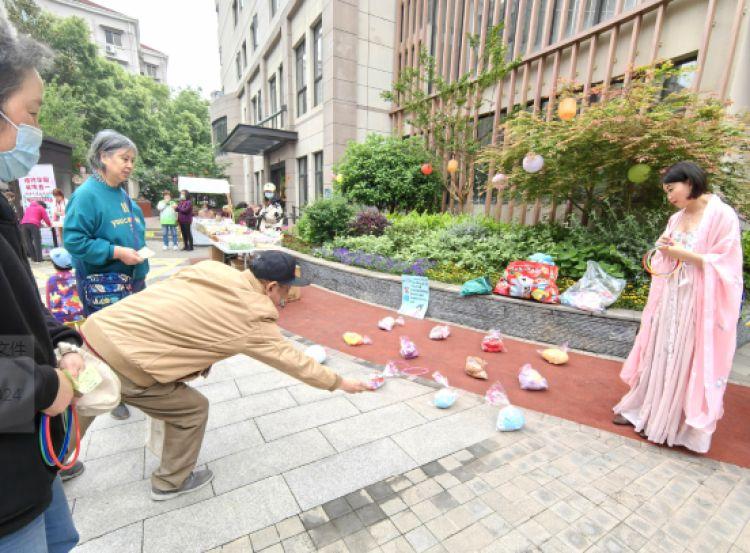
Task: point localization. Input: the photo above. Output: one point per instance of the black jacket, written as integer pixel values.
(28, 382)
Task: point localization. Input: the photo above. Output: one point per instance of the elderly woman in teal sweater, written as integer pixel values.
(103, 228)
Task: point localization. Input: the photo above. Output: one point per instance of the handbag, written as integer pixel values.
(100, 290)
(106, 395)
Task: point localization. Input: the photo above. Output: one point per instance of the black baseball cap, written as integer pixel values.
(277, 266)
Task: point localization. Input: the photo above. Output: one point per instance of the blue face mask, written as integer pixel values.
(17, 163)
(268, 195)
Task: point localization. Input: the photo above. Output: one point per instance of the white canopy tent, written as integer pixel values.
(196, 185)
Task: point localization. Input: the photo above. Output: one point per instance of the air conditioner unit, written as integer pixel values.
(111, 50)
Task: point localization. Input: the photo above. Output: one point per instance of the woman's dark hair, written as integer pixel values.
(689, 172)
(57, 192)
(19, 54)
(187, 194)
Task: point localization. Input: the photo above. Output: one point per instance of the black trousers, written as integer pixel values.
(187, 235)
(32, 236)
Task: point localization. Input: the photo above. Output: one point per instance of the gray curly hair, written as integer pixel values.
(19, 54)
(107, 142)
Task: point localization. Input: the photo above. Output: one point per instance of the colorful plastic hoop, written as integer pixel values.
(649, 267)
(70, 421)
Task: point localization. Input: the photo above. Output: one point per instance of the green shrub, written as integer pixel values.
(385, 172)
(325, 219)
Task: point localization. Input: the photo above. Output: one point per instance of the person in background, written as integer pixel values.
(168, 220)
(62, 291)
(104, 229)
(34, 513)
(185, 218)
(205, 212)
(58, 215)
(31, 224)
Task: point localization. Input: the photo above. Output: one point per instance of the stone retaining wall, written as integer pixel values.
(610, 334)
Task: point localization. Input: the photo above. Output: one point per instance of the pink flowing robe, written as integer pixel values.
(718, 295)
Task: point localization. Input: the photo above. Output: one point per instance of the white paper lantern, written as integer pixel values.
(317, 352)
(533, 163)
(500, 180)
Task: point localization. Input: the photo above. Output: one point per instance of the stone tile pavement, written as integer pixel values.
(298, 469)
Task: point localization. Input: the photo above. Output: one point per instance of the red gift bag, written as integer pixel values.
(529, 280)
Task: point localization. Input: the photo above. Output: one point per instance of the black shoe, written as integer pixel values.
(197, 480)
(120, 412)
(73, 472)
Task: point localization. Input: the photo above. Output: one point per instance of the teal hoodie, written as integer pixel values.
(98, 219)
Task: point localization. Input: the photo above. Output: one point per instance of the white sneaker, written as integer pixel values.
(165, 247)
(175, 247)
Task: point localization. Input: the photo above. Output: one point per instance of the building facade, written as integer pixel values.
(116, 35)
(594, 43)
(300, 79)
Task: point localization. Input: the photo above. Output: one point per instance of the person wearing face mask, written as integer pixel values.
(185, 218)
(677, 370)
(214, 312)
(103, 228)
(34, 513)
(271, 214)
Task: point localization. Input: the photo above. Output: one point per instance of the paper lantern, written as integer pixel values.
(567, 109)
(500, 180)
(639, 173)
(426, 169)
(533, 163)
(452, 166)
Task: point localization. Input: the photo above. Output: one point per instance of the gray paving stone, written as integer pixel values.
(443, 436)
(217, 392)
(227, 440)
(380, 491)
(373, 425)
(371, 514)
(421, 539)
(96, 515)
(336, 508)
(313, 518)
(420, 492)
(433, 468)
(263, 382)
(405, 521)
(360, 541)
(265, 537)
(444, 501)
(116, 439)
(296, 419)
(105, 421)
(123, 540)
(245, 408)
(304, 394)
(233, 514)
(393, 506)
(358, 499)
(107, 472)
(301, 543)
(269, 459)
(474, 538)
(347, 524)
(289, 527)
(395, 390)
(329, 478)
(383, 531)
(324, 534)
(335, 547)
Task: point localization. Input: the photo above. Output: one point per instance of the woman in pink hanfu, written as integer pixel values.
(678, 368)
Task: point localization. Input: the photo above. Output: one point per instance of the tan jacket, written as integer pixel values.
(180, 326)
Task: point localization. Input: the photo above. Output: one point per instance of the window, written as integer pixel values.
(272, 95)
(238, 65)
(244, 55)
(235, 12)
(301, 80)
(684, 79)
(254, 109)
(260, 106)
(219, 128)
(151, 70)
(318, 158)
(282, 98)
(302, 180)
(318, 64)
(113, 37)
(258, 185)
(254, 32)
(274, 7)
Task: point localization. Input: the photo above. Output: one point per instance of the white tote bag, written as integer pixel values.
(106, 395)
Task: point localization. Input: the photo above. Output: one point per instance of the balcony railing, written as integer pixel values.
(274, 121)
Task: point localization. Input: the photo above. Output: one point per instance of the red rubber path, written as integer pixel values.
(583, 391)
